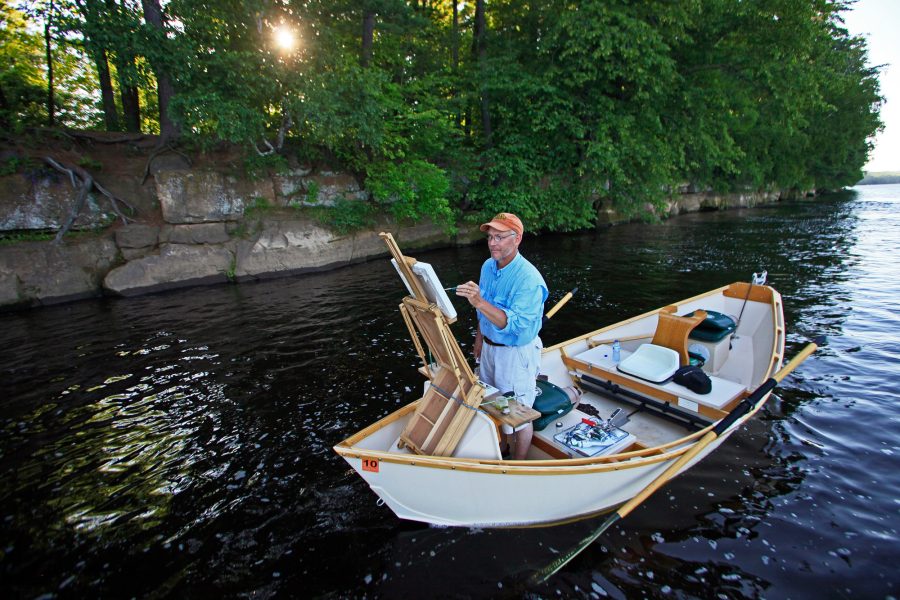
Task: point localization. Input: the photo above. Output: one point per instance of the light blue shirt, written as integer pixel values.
(518, 290)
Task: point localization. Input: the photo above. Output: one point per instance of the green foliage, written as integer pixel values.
(15, 237)
(232, 268)
(256, 207)
(11, 165)
(257, 166)
(346, 216)
(22, 82)
(412, 190)
(564, 106)
(880, 178)
(312, 192)
(89, 163)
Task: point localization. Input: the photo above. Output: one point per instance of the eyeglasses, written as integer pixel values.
(499, 238)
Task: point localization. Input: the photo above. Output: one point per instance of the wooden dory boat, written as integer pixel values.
(564, 480)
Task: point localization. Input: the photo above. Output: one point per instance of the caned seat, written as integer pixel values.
(672, 331)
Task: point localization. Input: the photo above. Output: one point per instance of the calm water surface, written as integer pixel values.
(179, 445)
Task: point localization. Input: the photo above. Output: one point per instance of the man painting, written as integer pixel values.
(509, 299)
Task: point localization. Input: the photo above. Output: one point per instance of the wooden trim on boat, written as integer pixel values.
(640, 456)
(778, 342)
(620, 324)
(639, 449)
(511, 467)
(627, 338)
(758, 293)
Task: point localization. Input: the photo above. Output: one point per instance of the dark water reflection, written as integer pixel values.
(180, 444)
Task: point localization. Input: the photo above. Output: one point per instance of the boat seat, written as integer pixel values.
(650, 362)
(672, 331)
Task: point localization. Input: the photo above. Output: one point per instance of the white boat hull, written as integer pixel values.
(489, 492)
(504, 495)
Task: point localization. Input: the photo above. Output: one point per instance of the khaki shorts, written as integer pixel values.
(512, 369)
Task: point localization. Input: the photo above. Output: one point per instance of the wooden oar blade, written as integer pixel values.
(562, 560)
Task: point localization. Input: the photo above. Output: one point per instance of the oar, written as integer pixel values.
(739, 411)
(560, 304)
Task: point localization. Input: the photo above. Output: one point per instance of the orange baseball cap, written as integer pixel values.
(505, 222)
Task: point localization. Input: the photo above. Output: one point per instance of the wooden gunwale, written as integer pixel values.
(403, 411)
(510, 467)
(570, 466)
(619, 324)
(566, 466)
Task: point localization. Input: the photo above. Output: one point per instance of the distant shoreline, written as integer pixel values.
(880, 177)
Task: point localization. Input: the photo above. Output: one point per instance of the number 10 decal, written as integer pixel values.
(370, 464)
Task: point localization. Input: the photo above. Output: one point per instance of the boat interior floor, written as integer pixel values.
(648, 429)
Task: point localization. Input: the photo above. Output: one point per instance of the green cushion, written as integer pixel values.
(713, 328)
(553, 402)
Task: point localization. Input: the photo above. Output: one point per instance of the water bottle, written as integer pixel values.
(617, 351)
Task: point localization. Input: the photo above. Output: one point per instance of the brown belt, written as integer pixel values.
(490, 342)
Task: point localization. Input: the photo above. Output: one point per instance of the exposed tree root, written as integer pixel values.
(84, 183)
(134, 137)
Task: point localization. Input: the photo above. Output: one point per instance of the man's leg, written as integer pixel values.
(523, 441)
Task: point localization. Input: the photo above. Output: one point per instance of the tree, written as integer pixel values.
(558, 107)
(48, 44)
(479, 57)
(125, 22)
(22, 84)
(157, 53)
(95, 30)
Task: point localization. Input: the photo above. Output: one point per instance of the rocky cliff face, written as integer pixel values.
(195, 225)
(199, 224)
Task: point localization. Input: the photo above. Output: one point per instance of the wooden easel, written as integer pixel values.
(453, 397)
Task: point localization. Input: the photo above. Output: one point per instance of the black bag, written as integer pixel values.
(693, 378)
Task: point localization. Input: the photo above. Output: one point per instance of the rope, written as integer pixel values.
(449, 396)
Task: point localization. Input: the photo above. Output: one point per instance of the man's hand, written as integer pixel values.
(470, 291)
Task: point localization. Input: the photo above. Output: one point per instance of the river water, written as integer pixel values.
(179, 445)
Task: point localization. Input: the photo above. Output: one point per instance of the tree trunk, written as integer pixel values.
(479, 52)
(51, 103)
(368, 35)
(454, 39)
(126, 71)
(454, 58)
(107, 96)
(95, 23)
(165, 91)
(131, 107)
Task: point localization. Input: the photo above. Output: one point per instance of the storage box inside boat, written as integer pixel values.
(713, 328)
(714, 334)
(589, 440)
(650, 362)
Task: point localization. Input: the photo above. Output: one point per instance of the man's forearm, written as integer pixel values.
(495, 315)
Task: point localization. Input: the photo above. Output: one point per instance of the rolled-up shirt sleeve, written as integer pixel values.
(525, 311)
